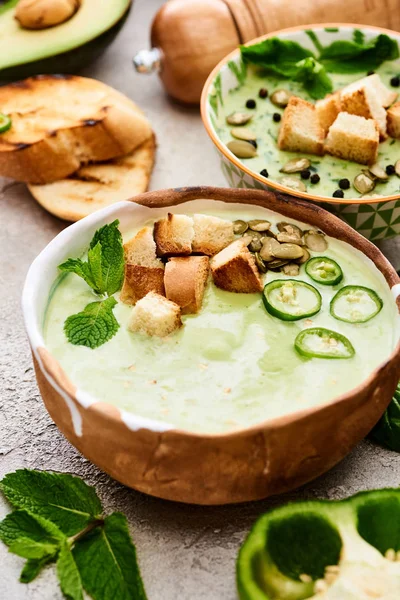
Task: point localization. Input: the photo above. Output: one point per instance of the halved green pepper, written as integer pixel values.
(318, 342)
(325, 550)
(324, 270)
(291, 299)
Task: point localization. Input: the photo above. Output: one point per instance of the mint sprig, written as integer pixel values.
(94, 326)
(99, 557)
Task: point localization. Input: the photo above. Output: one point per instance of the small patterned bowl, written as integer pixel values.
(377, 219)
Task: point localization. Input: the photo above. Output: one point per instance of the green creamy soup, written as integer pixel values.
(329, 168)
(233, 364)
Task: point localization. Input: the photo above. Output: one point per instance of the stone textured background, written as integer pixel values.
(185, 552)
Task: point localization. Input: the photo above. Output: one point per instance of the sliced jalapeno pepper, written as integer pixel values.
(291, 299)
(355, 304)
(5, 122)
(324, 270)
(317, 342)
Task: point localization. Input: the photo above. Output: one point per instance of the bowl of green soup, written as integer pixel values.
(283, 359)
(314, 112)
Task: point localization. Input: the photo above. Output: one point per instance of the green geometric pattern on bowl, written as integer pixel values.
(376, 221)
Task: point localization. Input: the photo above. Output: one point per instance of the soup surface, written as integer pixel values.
(233, 364)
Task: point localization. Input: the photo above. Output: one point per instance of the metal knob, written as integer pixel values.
(147, 61)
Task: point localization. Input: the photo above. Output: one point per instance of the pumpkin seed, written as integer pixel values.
(247, 239)
(306, 256)
(378, 172)
(239, 227)
(280, 98)
(315, 241)
(289, 228)
(242, 149)
(238, 118)
(296, 165)
(289, 238)
(363, 183)
(291, 269)
(259, 225)
(268, 247)
(277, 264)
(242, 133)
(397, 168)
(290, 251)
(293, 184)
(255, 245)
(260, 263)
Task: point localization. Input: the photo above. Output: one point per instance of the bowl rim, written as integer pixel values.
(60, 382)
(234, 160)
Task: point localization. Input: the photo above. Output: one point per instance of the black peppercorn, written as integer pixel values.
(305, 173)
(315, 178)
(264, 173)
(263, 93)
(344, 184)
(390, 170)
(338, 194)
(395, 82)
(276, 117)
(251, 103)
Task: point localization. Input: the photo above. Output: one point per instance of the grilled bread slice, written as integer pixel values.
(99, 185)
(60, 123)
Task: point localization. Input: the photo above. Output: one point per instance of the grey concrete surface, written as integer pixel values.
(185, 552)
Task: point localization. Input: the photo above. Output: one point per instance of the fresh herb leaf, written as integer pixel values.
(32, 568)
(95, 266)
(22, 524)
(107, 563)
(358, 37)
(276, 56)
(28, 548)
(63, 499)
(94, 326)
(314, 78)
(82, 269)
(68, 574)
(112, 256)
(314, 38)
(387, 430)
(352, 57)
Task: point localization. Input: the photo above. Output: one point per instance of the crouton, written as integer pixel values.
(300, 130)
(393, 120)
(211, 234)
(174, 235)
(144, 272)
(185, 281)
(327, 110)
(234, 269)
(353, 138)
(155, 315)
(386, 96)
(361, 98)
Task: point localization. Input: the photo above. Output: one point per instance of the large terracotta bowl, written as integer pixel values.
(248, 464)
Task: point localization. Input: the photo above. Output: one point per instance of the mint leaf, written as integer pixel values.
(65, 500)
(358, 37)
(276, 56)
(82, 269)
(22, 524)
(95, 266)
(314, 78)
(112, 254)
(352, 56)
(94, 326)
(32, 568)
(68, 575)
(107, 563)
(28, 548)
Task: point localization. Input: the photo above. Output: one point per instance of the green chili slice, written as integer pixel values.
(355, 304)
(317, 342)
(5, 122)
(291, 299)
(324, 270)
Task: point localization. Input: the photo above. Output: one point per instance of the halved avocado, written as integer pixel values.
(65, 48)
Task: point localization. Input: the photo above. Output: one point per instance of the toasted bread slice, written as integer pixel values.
(234, 269)
(99, 185)
(155, 315)
(144, 272)
(60, 123)
(211, 234)
(301, 130)
(393, 120)
(364, 99)
(185, 281)
(327, 110)
(353, 138)
(174, 235)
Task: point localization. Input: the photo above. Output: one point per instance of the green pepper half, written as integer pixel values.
(355, 304)
(344, 550)
(5, 123)
(291, 299)
(317, 342)
(324, 270)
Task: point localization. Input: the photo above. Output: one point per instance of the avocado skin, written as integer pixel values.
(69, 62)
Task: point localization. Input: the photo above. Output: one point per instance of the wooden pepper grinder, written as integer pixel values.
(189, 37)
